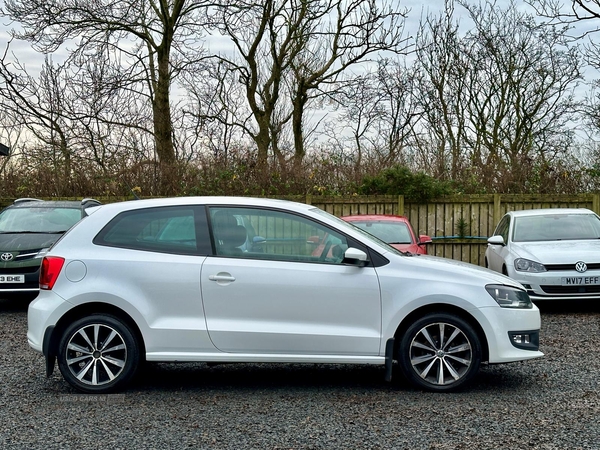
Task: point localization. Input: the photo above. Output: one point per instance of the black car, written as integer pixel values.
(28, 228)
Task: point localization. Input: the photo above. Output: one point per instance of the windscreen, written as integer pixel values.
(556, 227)
(38, 220)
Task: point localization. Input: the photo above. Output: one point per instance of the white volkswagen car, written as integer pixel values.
(225, 279)
(553, 253)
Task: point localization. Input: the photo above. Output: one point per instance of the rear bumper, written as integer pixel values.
(43, 313)
(30, 286)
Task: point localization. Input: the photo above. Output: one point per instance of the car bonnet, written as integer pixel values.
(559, 252)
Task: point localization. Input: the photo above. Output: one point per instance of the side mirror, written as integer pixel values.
(424, 239)
(355, 257)
(496, 240)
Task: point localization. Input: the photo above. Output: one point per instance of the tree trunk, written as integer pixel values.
(299, 102)
(163, 127)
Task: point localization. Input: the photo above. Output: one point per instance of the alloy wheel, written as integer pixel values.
(96, 354)
(441, 354)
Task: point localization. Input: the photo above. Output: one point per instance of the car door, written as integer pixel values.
(497, 253)
(282, 297)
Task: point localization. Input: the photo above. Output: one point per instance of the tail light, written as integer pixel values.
(51, 267)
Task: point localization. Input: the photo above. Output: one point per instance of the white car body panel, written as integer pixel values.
(439, 275)
(285, 307)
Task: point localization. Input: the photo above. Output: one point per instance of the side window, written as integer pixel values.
(180, 230)
(268, 234)
(502, 228)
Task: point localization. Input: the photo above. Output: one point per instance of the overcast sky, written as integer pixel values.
(418, 9)
(34, 60)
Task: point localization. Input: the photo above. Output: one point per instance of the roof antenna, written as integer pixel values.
(131, 190)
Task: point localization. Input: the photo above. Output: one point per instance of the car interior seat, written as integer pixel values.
(229, 236)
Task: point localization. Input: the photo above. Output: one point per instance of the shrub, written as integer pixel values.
(399, 180)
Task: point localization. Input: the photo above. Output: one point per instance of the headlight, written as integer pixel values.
(525, 265)
(509, 297)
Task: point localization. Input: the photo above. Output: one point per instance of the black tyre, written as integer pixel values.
(439, 352)
(98, 354)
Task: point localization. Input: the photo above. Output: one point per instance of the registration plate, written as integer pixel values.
(579, 281)
(12, 278)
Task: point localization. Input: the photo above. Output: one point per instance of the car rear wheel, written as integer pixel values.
(98, 354)
(439, 352)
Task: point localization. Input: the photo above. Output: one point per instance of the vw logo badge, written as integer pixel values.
(6, 257)
(580, 266)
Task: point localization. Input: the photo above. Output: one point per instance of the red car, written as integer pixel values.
(395, 230)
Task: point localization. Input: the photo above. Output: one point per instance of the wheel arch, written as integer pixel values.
(443, 308)
(88, 309)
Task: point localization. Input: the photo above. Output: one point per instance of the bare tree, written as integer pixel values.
(582, 19)
(153, 40)
(288, 52)
(39, 106)
(338, 36)
(376, 116)
(441, 90)
(521, 97)
(499, 98)
(11, 129)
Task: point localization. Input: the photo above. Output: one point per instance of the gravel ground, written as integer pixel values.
(549, 403)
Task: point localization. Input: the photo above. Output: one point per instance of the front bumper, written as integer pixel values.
(502, 324)
(560, 285)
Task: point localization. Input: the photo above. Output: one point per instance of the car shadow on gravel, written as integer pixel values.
(244, 377)
(571, 306)
(252, 377)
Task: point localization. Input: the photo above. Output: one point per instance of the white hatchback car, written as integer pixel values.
(225, 279)
(554, 253)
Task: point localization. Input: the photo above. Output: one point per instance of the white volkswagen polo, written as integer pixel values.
(225, 279)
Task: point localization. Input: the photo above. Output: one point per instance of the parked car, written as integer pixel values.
(553, 253)
(28, 228)
(394, 230)
(174, 280)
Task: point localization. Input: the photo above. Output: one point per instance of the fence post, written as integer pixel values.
(309, 199)
(497, 202)
(401, 205)
(596, 203)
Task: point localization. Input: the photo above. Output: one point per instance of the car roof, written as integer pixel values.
(375, 218)
(549, 211)
(207, 200)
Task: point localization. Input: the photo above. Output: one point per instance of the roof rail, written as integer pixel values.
(27, 199)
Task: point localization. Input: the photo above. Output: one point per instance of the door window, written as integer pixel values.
(274, 235)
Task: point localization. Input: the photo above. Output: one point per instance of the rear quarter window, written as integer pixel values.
(178, 230)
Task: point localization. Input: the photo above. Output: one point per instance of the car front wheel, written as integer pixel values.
(439, 352)
(98, 354)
